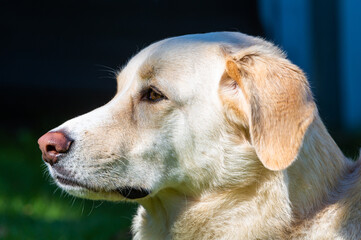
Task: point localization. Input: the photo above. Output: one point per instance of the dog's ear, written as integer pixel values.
(275, 99)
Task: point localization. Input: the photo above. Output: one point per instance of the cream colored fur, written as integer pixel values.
(237, 150)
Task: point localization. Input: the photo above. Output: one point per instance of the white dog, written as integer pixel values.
(216, 136)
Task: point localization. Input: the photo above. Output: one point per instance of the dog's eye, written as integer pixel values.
(153, 95)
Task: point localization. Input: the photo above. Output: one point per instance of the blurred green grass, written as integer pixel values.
(31, 207)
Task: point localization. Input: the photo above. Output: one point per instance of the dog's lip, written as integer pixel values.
(70, 182)
(127, 192)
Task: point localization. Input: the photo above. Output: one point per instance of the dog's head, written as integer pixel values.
(190, 112)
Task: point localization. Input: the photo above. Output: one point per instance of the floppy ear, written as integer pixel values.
(279, 104)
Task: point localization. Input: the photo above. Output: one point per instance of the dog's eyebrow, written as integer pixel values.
(147, 71)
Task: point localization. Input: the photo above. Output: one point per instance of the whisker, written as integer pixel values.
(91, 210)
(73, 201)
(83, 205)
(106, 67)
(101, 203)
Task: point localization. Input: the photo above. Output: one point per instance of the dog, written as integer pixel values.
(216, 136)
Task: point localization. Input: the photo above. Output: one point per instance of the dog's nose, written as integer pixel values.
(52, 144)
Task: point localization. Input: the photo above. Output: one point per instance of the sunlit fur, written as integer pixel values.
(237, 150)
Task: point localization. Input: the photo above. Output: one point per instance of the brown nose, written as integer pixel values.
(52, 144)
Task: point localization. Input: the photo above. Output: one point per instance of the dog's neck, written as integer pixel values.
(275, 200)
(156, 215)
(316, 173)
(252, 211)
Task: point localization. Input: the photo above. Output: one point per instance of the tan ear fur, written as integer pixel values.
(281, 105)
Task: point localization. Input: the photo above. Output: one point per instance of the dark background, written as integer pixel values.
(58, 57)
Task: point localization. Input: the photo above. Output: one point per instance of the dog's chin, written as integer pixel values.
(86, 191)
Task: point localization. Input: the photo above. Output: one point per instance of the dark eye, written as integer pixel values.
(153, 95)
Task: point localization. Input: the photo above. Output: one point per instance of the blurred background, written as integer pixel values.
(57, 61)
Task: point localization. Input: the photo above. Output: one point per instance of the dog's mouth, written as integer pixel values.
(133, 193)
(127, 192)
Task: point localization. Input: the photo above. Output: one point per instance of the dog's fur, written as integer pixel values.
(236, 150)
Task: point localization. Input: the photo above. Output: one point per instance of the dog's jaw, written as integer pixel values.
(66, 181)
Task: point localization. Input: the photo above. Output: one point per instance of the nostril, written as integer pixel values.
(50, 148)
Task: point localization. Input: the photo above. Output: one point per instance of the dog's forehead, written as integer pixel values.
(190, 49)
(185, 59)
